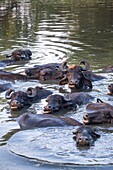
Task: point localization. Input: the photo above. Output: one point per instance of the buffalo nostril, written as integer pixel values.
(86, 115)
(49, 106)
(86, 139)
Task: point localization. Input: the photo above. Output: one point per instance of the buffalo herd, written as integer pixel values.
(79, 79)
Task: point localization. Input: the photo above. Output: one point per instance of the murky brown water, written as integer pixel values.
(54, 31)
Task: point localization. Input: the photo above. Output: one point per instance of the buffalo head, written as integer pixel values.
(85, 136)
(75, 77)
(19, 54)
(98, 116)
(47, 71)
(18, 100)
(110, 88)
(57, 102)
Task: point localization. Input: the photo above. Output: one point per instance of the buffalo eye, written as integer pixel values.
(107, 114)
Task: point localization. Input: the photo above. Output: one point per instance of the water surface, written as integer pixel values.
(54, 31)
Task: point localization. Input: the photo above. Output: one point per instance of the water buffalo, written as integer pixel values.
(98, 113)
(29, 121)
(20, 99)
(47, 71)
(75, 77)
(98, 105)
(78, 77)
(98, 116)
(17, 55)
(85, 136)
(5, 75)
(110, 88)
(20, 54)
(58, 102)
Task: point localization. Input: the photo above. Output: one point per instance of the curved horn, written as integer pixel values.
(67, 99)
(64, 66)
(86, 64)
(31, 92)
(99, 100)
(9, 93)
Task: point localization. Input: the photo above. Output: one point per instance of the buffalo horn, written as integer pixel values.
(86, 64)
(31, 92)
(9, 93)
(64, 66)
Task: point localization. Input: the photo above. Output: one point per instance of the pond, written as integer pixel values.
(55, 31)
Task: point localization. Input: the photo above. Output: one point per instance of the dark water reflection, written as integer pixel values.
(54, 31)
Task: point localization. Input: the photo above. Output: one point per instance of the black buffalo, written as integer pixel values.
(21, 99)
(85, 136)
(100, 116)
(17, 55)
(5, 75)
(29, 121)
(58, 102)
(51, 71)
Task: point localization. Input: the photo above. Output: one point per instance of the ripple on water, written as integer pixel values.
(56, 145)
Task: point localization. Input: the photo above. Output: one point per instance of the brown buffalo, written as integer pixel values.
(29, 121)
(58, 102)
(85, 136)
(17, 55)
(20, 99)
(75, 77)
(47, 71)
(4, 75)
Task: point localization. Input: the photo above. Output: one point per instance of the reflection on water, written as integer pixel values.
(54, 31)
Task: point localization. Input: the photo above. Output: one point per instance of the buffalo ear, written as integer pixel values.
(88, 83)
(95, 135)
(63, 81)
(74, 133)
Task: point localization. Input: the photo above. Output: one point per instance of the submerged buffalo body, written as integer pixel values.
(29, 121)
(98, 105)
(20, 99)
(85, 136)
(17, 55)
(58, 102)
(47, 71)
(4, 75)
(92, 76)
